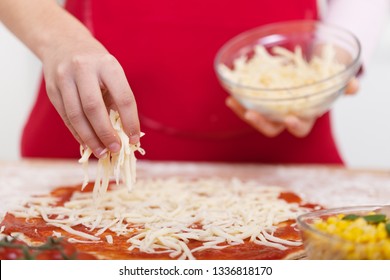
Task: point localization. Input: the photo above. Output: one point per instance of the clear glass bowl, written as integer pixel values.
(320, 245)
(305, 100)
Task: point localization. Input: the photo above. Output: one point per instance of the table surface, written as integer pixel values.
(330, 186)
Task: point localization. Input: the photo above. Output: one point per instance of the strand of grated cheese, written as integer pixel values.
(169, 213)
(121, 165)
(109, 239)
(56, 234)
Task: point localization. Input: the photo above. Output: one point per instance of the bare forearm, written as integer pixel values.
(40, 24)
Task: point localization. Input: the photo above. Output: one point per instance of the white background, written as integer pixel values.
(361, 123)
(109, 269)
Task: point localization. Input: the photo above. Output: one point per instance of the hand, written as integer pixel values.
(298, 127)
(83, 82)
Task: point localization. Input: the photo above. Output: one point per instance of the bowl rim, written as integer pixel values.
(354, 64)
(338, 210)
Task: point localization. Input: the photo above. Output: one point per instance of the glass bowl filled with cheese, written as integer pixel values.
(288, 68)
(349, 233)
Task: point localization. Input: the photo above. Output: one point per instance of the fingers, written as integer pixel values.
(95, 115)
(352, 86)
(123, 98)
(76, 74)
(77, 120)
(56, 99)
(299, 127)
(256, 120)
(266, 127)
(235, 107)
(77, 95)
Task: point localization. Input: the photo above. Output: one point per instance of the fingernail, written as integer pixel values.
(134, 139)
(229, 102)
(292, 122)
(114, 147)
(100, 152)
(250, 116)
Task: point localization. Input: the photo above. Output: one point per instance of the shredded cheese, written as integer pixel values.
(282, 69)
(109, 239)
(75, 240)
(121, 165)
(56, 234)
(283, 81)
(163, 215)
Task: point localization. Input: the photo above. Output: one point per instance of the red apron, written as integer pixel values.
(167, 50)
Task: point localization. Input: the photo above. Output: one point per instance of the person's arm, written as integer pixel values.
(82, 79)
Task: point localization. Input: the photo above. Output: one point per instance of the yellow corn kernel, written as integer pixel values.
(366, 240)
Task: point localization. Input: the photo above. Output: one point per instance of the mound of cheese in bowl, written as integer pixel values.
(288, 68)
(351, 233)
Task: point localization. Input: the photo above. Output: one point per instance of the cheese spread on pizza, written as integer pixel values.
(168, 218)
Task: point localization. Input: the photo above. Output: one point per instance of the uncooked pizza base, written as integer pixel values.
(111, 244)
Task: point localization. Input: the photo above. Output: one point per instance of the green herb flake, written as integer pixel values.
(375, 219)
(351, 217)
(31, 252)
